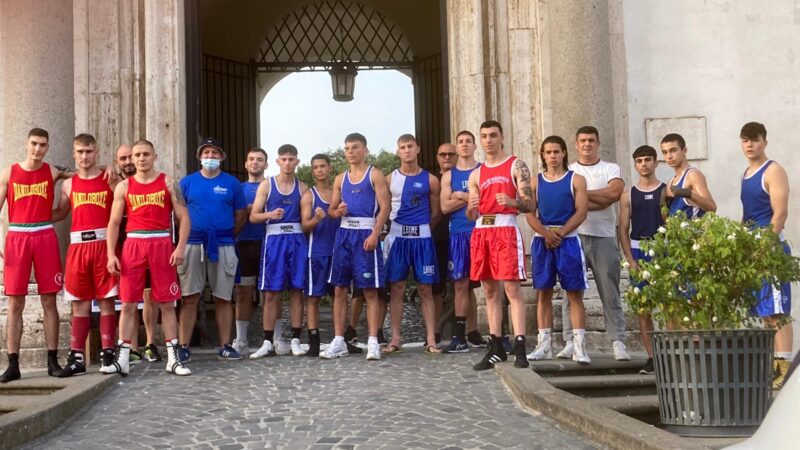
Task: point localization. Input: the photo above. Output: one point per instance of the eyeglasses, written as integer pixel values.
(446, 155)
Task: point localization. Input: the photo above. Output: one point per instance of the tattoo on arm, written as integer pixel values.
(524, 172)
(526, 203)
(176, 188)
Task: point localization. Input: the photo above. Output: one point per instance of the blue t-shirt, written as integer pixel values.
(212, 203)
(251, 231)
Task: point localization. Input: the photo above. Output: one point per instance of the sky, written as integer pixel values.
(300, 110)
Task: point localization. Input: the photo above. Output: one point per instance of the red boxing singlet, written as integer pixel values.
(149, 206)
(91, 203)
(30, 195)
(495, 180)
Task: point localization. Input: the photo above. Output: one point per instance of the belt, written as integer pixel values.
(148, 234)
(358, 223)
(78, 237)
(283, 228)
(635, 243)
(410, 231)
(554, 228)
(496, 220)
(30, 227)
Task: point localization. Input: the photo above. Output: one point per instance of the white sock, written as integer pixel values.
(545, 331)
(783, 355)
(338, 339)
(579, 333)
(372, 339)
(241, 330)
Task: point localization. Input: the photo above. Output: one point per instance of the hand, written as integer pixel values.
(503, 199)
(551, 239)
(113, 265)
(371, 242)
(177, 257)
(110, 175)
(474, 201)
(2, 256)
(633, 265)
(680, 192)
(341, 210)
(458, 195)
(319, 213)
(276, 214)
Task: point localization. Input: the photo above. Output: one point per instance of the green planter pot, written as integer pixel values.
(713, 383)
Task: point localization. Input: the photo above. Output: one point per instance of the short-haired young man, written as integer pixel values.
(248, 244)
(409, 245)
(687, 191)
(361, 199)
(765, 202)
(561, 204)
(285, 249)
(321, 230)
(150, 198)
(639, 218)
(499, 190)
(29, 189)
(454, 199)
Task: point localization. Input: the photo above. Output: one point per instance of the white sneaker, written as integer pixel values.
(620, 352)
(297, 350)
(241, 347)
(174, 364)
(579, 355)
(265, 350)
(373, 351)
(121, 364)
(336, 349)
(567, 351)
(281, 347)
(543, 349)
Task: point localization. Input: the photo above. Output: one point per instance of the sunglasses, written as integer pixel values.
(446, 155)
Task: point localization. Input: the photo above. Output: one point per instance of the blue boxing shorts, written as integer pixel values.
(317, 271)
(283, 262)
(351, 264)
(458, 264)
(565, 262)
(414, 253)
(773, 301)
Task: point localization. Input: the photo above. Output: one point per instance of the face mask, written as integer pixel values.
(210, 163)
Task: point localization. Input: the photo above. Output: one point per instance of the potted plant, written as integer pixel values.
(714, 369)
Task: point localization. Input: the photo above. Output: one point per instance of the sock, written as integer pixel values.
(52, 354)
(79, 332)
(108, 329)
(241, 330)
(579, 333)
(13, 359)
(296, 332)
(269, 335)
(783, 355)
(519, 338)
(372, 339)
(460, 327)
(545, 331)
(313, 332)
(338, 339)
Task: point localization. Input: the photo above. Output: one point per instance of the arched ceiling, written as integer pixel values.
(236, 30)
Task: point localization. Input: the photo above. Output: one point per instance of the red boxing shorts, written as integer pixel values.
(86, 276)
(36, 245)
(496, 249)
(148, 251)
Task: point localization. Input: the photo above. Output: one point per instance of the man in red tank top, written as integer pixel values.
(150, 198)
(498, 191)
(89, 196)
(29, 189)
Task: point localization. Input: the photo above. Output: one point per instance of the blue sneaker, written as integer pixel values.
(184, 354)
(227, 352)
(457, 345)
(507, 345)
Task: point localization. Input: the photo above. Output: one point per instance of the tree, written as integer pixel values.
(384, 160)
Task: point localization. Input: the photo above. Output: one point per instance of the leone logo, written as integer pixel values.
(173, 288)
(59, 278)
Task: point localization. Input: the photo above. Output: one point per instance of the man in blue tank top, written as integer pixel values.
(687, 191)
(560, 206)
(361, 200)
(285, 249)
(640, 217)
(409, 245)
(321, 230)
(765, 202)
(248, 244)
(454, 198)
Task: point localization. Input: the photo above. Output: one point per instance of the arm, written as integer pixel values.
(185, 225)
(257, 213)
(603, 198)
(700, 195)
(4, 176)
(385, 204)
(112, 232)
(309, 219)
(337, 208)
(60, 172)
(581, 206)
(474, 195)
(63, 207)
(448, 200)
(436, 211)
(241, 211)
(522, 175)
(777, 184)
(623, 229)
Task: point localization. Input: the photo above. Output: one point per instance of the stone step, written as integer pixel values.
(601, 364)
(634, 405)
(585, 382)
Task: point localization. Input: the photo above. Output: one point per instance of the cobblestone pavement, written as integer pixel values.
(410, 400)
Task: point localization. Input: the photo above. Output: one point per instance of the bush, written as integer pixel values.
(705, 272)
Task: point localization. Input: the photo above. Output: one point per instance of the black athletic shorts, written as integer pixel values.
(442, 255)
(249, 257)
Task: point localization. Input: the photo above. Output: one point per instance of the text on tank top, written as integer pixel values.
(289, 202)
(459, 182)
(679, 203)
(756, 206)
(646, 212)
(360, 196)
(555, 199)
(30, 195)
(320, 241)
(495, 180)
(91, 201)
(149, 206)
(410, 198)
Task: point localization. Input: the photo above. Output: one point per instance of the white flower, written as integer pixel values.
(651, 253)
(657, 267)
(662, 230)
(636, 290)
(674, 273)
(731, 237)
(684, 224)
(645, 275)
(653, 283)
(758, 235)
(696, 247)
(714, 319)
(626, 264)
(686, 318)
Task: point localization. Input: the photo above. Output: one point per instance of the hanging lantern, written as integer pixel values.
(343, 80)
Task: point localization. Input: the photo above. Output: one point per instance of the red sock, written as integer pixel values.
(108, 330)
(80, 330)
